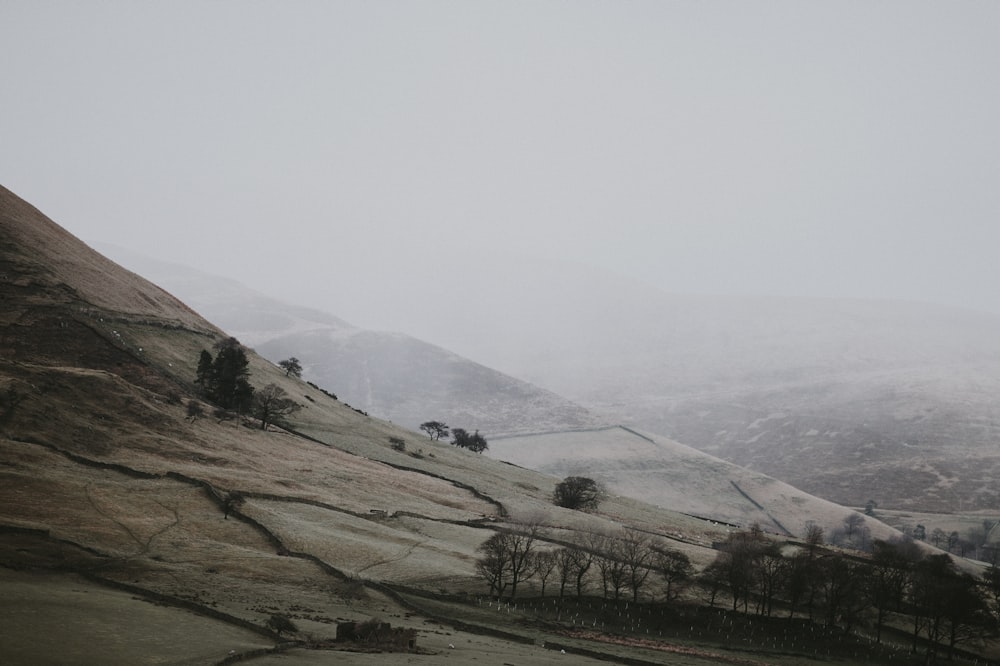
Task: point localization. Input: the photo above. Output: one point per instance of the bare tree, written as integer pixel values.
(675, 568)
(494, 563)
(814, 536)
(545, 565)
(852, 523)
(610, 562)
(637, 555)
(522, 560)
(771, 574)
(272, 404)
(508, 559)
(572, 565)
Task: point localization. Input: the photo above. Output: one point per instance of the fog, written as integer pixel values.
(427, 166)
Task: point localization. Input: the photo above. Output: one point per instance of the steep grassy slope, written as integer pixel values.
(111, 496)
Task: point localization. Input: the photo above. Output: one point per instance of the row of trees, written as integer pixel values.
(224, 381)
(461, 438)
(968, 545)
(620, 563)
(896, 585)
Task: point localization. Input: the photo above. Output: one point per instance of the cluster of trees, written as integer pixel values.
(620, 564)
(971, 544)
(896, 584)
(224, 378)
(224, 381)
(460, 437)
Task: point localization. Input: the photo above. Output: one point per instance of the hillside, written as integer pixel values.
(841, 398)
(848, 400)
(676, 477)
(112, 496)
(135, 529)
(389, 375)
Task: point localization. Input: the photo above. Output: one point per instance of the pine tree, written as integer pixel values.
(224, 378)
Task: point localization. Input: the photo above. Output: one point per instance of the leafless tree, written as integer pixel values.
(674, 567)
(545, 566)
(271, 404)
(508, 558)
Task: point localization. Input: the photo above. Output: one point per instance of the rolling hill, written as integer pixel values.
(849, 400)
(119, 511)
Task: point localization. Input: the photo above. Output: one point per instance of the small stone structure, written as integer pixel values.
(379, 635)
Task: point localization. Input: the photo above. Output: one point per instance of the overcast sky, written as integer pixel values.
(786, 148)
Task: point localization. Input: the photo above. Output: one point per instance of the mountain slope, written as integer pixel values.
(111, 494)
(389, 375)
(843, 398)
(109, 486)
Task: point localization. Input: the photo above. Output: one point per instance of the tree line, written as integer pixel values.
(618, 563)
(897, 584)
(922, 596)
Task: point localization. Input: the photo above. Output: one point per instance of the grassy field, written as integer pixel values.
(50, 618)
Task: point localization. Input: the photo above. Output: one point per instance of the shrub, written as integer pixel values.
(578, 492)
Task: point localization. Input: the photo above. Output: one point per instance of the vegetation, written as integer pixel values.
(508, 558)
(463, 440)
(397, 443)
(271, 404)
(291, 366)
(435, 429)
(621, 562)
(232, 501)
(578, 492)
(223, 379)
(923, 597)
(194, 410)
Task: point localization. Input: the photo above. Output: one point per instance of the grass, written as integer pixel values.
(62, 619)
(110, 500)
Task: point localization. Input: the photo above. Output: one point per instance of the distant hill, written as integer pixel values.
(390, 375)
(671, 475)
(849, 400)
